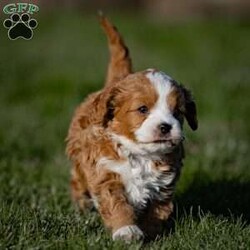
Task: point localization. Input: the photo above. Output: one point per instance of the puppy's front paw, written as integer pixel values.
(128, 233)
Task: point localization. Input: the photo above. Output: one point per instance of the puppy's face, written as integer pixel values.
(148, 109)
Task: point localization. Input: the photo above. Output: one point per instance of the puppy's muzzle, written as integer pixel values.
(165, 128)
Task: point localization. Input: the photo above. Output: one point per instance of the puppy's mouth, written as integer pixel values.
(170, 142)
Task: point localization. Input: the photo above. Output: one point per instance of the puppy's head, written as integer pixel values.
(146, 110)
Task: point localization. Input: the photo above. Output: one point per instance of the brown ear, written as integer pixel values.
(110, 105)
(109, 114)
(190, 111)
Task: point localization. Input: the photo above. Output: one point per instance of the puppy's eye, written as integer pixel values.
(143, 109)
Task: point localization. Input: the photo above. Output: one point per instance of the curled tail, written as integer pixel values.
(120, 64)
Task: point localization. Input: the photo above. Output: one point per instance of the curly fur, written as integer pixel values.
(129, 182)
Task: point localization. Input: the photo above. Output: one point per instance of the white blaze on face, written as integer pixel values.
(160, 113)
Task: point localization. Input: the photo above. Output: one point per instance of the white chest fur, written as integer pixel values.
(142, 182)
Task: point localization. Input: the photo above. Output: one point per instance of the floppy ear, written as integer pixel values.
(190, 111)
(110, 105)
(110, 109)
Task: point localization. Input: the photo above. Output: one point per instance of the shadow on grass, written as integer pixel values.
(224, 197)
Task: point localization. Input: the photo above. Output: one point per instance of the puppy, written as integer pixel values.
(125, 143)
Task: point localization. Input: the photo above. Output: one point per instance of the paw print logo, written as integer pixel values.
(20, 26)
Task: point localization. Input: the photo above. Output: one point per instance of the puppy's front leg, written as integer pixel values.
(116, 212)
(153, 220)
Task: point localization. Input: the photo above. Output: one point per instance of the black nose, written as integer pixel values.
(165, 128)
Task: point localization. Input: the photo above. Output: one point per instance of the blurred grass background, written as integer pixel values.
(44, 79)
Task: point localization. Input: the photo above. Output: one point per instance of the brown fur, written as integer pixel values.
(129, 94)
(120, 63)
(115, 109)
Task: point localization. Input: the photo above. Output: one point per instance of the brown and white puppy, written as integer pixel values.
(125, 143)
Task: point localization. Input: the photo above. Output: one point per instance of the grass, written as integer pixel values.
(42, 81)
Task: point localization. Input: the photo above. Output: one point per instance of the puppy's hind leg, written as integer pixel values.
(79, 190)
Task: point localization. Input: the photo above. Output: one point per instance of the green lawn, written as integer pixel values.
(42, 81)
